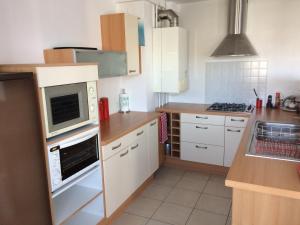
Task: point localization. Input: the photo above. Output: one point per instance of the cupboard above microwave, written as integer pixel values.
(68, 96)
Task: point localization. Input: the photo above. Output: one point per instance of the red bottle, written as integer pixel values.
(103, 109)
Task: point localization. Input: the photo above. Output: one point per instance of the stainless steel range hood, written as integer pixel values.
(236, 43)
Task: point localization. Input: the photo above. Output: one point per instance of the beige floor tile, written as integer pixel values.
(155, 222)
(190, 184)
(172, 214)
(158, 192)
(171, 171)
(166, 179)
(214, 204)
(229, 220)
(183, 197)
(127, 219)
(205, 218)
(196, 176)
(218, 189)
(143, 207)
(218, 178)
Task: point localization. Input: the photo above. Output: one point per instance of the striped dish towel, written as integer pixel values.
(163, 132)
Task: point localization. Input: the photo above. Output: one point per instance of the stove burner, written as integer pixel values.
(230, 107)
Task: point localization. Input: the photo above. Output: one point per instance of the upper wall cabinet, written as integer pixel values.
(119, 32)
(110, 64)
(170, 59)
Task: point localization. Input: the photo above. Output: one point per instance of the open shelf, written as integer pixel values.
(173, 124)
(75, 197)
(91, 214)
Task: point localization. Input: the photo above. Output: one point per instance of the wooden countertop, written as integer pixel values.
(175, 107)
(121, 124)
(267, 176)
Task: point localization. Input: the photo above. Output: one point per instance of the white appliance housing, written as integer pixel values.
(170, 60)
(69, 97)
(73, 156)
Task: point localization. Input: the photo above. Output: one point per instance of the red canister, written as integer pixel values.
(103, 109)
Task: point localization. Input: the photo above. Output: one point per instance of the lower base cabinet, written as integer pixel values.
(202, 153)
(130, 166)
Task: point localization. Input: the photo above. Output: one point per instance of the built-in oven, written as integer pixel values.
(73, 156)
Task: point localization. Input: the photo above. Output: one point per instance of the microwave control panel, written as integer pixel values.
(92, 100)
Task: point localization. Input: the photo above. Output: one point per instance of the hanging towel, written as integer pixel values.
(163, 134)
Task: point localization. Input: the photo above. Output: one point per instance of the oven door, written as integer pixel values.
(79, 155)
(66, 107)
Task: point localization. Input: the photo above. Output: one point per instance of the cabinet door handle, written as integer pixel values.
(202, 117)
(116, 147)
(204, 128)
(152, 124)
(123, 154)
(201, 147)
(134, 147)
(230, 130)
(235, 120)
(132, 71)
(140, 133)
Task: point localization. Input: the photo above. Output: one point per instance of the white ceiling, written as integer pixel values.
(185, 1)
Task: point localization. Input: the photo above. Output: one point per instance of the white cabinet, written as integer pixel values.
(202, 133)
(116, 180)
(208, 154)
(170, 59)
(127, 162)
(203, 119)
(152, 145)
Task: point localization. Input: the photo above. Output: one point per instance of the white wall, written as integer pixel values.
(273, 28)
(30, 26)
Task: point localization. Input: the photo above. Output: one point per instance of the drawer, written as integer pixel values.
(208, 154)
(202, 133)
(119, 144)
(203, 119)
(233, 121)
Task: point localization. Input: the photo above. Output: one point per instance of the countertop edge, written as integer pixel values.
(124, 132)
(262, 189)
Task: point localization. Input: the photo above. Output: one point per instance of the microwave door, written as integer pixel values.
(66, 106)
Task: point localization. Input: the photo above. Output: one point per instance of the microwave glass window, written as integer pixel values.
(66, 105)
(77, 157)
(65, 108)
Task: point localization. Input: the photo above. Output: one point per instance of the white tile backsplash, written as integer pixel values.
(234, 81)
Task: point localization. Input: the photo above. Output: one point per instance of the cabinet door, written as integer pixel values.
(152, 145)
(138, 161)
(116, 180)
(132, 44)
(233, 138)
(157, 59)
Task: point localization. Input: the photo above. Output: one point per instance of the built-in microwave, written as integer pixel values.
(69, 97)
(73, 156)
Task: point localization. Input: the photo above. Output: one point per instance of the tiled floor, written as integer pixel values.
(178, 197)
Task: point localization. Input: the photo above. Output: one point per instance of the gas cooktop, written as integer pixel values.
(230, 107)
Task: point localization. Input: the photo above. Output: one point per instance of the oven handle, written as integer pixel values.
(77, 139)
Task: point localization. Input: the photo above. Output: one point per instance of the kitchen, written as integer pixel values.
(31, 27)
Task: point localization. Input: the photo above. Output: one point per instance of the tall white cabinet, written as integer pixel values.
(170, 59)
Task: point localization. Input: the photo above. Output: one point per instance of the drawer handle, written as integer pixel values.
(201, 147)
(202, 117)
(230, 130)
(204, 128)
(123, 154)
(134, 147)
(115, 147)
(138, 134)
(132, 71)
(235, 120)
(152, 124)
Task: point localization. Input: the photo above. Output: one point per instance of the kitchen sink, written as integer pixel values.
(275, 141)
